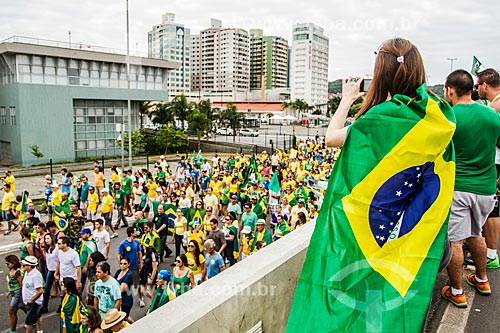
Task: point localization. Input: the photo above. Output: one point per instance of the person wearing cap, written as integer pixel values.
(234, 206)
(262, 234)
(196, 233)
(164, 292)
(32, 292)
(247, 241)
(86, 247)
(206, 221)
(294, 214)
(114, 321)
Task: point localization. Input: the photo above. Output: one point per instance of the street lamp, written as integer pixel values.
(119, 129)
(451, 60)
(129, 113)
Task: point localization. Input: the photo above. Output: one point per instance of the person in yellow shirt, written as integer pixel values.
(99, 180)
(56, 195)
(93, 202)
(196, 234)
(107, 204)
(7, 205)
(9, 179)
(151, 186)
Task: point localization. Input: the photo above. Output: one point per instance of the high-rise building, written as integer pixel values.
(309, 64)
(268, 61)
(221, 59)
(172, 41)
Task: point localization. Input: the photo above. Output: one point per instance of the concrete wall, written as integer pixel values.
(260, 288)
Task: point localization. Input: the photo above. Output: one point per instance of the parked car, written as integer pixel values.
(249, 132)
(224, 131)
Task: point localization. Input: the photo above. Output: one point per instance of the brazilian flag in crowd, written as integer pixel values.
(194, 214)
(169, 210)
(378, 241)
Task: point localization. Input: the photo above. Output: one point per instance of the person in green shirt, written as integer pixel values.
(164, 290)
(70, 307)
(86, 247)
(127, 190)
(120, 198)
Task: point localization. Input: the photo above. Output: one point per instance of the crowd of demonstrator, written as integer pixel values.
(212, 212)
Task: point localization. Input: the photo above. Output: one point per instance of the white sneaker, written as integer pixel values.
(141, 303)
(114, 235)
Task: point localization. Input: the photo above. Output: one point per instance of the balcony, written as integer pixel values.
(254, 295)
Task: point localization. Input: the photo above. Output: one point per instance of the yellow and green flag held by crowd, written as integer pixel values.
(375, 253)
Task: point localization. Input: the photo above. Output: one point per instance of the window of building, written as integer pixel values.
(3, 115)
(13, 119)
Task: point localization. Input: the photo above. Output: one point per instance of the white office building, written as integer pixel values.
(309, 65)
(220, 59)
(172, 41)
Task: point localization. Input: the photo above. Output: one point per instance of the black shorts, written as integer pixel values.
(32, 313)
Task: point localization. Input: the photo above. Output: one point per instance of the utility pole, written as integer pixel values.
(451, 60)
(129, 113)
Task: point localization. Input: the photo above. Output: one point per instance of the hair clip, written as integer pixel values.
(400, 59)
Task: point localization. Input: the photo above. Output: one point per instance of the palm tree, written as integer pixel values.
(181, 108)
(143, 111)
(205, 107)
(232, 118)
(301, 105)
(198, 122)
(162, 115)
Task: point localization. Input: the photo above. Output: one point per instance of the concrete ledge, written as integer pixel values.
(260, 288)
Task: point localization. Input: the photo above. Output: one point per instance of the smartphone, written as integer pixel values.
(365, 84)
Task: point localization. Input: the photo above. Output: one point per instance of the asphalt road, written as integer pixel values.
(51, 319)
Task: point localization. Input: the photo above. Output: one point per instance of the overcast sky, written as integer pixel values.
(440, 29)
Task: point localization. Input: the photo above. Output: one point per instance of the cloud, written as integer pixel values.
(440, 29)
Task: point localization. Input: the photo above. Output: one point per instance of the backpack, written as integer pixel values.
(38, 251)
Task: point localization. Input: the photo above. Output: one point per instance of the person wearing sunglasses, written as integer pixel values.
(183, 277)
(196, 261)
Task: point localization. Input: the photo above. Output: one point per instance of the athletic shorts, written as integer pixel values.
(32, 313)
(83, 205)
(468, 215)
(107, 220)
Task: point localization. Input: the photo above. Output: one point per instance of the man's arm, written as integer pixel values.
(79, 277)
(39, 292)
(108, 245)
(118, 304)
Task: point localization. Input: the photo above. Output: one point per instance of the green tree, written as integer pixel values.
(35, 151)
(162, 115)
(333, 104)
(169, 139)
(231, 118)
(198, 122)
(301, 105)
(138, 140)
(181, 108)
(143, 111)
(355, 107)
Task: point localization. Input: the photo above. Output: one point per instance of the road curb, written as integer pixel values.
(10, 247)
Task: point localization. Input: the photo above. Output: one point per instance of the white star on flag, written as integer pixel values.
(381, 227)
(399, 193)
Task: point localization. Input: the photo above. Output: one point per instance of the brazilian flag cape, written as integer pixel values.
(169, 210)
(378, 241)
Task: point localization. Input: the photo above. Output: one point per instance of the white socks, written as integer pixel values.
(491, 253)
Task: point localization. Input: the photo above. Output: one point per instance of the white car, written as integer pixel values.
(224, 131)
(249, 132)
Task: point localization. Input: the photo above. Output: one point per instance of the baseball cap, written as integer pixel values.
(234, 197)
(246, 230)
(86, 231)
(165, 275)
(104, 190)
(261, 221)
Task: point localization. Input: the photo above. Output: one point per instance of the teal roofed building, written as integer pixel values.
(68, 98)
